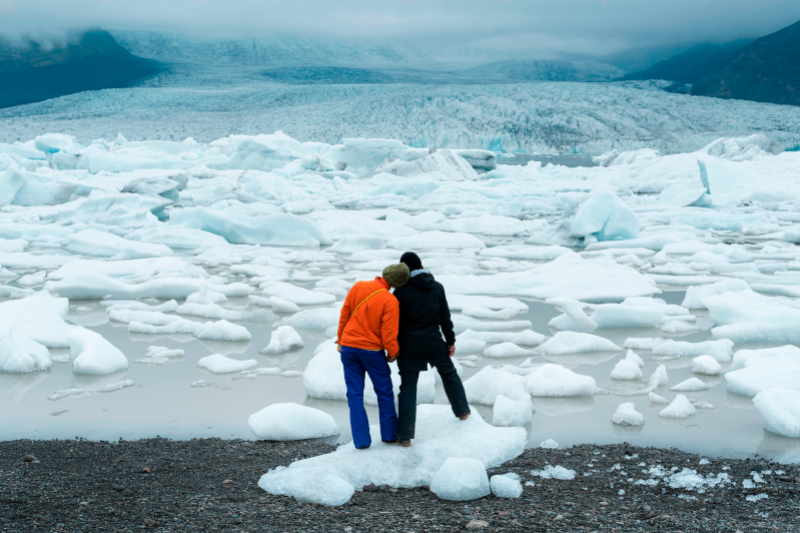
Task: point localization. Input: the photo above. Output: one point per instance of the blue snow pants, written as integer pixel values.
(356, 362)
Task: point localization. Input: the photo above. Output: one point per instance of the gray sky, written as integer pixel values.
(530, 26)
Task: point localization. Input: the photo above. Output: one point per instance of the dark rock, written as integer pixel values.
(145, 470)
(150, 523)
(118, 488)
(370, 488)
(30, 459)
(384, 488)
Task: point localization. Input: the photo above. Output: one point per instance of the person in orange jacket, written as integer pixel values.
(367, 339)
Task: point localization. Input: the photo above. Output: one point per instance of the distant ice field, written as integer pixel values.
(543, 117)
(176, 288)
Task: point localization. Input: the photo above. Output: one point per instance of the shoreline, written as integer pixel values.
(211, 485)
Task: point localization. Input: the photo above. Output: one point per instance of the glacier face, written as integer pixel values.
(544, 117)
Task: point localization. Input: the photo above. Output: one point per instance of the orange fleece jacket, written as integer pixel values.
(374, 326)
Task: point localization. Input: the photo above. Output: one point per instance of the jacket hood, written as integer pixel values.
(421, 279)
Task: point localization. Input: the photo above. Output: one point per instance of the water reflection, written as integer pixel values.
(737, 401)
(563, 406)
(783, 449)
(17, 385)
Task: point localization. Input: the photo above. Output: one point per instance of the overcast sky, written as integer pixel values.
(532, 26)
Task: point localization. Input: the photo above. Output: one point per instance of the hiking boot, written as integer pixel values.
(395, 441)
(464, 416)
(405, 443)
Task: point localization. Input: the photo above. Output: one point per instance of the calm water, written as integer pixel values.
(163, 401)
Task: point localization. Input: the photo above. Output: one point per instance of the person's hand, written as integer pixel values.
(390, 358)
(339, 348)
(451, 350)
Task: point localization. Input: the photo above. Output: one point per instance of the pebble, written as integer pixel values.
(150, 523)
(370, 488)
(558, 517)
(478, 523)
(118, 488)
(30, 459)
(145, 470)
(227, 481)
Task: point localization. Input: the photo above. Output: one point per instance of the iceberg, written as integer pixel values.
(93, 354)
(780, 409)
(21, 355)
(290, 421)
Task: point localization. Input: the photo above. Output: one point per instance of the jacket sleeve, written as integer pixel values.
(390, 325)
(344, 316)
(444, 319)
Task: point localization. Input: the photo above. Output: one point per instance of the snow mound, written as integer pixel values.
(506, 485)
(93, 354)
(21, 355)
(290, 421)
(511, 413)
(627, 369)
(627, 415)
(706, 365)
(780, 409)
(461, 479)
(689, 385)
(555, 381)
(284, 339)
(680, 407)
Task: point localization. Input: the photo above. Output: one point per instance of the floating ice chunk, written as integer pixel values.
(153, 318)
(218, 312)
(51, 143)
(720, 350)
(100, 243)
(659, 378)
(441, 165)
(97, 286)
(626, 369)
(689, 385)
(485, 386)
(30, 280)
(439, 436)
(634, 343)
(177, 238)
(236, 228)
(655, 398)
(694, 295)
(39, 317)
(279, 305)
(511, 413)
(436, 240)
(554, 472)
(482, 312)
(295, 294)
(206, 296)
(21, 355)
(506, 485)
(680, 407)
(284, 339)
(458, 302)
(224, 331)
(10, 183)
(594, 212)
(759, 370)
(320, 319)
(308, 485)
(756, 497)
(570, 342)
(706, 365)
(574, 317)
(357, 243)
(93, 354)
(461, 479)
(780, 409)
(164, 352)
(177, 327)
(524, 338)
(525, 253)
(219, 364)
(549, 444)
(506, 349)
(290, 421)
(466, 346)
(555, 381)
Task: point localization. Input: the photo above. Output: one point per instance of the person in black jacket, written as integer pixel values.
(426, 337)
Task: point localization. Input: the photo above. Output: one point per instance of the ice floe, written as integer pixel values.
(290, 421)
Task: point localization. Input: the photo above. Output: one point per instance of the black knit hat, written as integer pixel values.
(412, 260)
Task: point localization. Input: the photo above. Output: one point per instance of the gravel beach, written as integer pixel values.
(210, 485)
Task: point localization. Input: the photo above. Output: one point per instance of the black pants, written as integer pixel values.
(407, 399)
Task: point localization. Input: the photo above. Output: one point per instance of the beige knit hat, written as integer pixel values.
(396, 275)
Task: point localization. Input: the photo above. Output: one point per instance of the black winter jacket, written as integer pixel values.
(424, 319)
